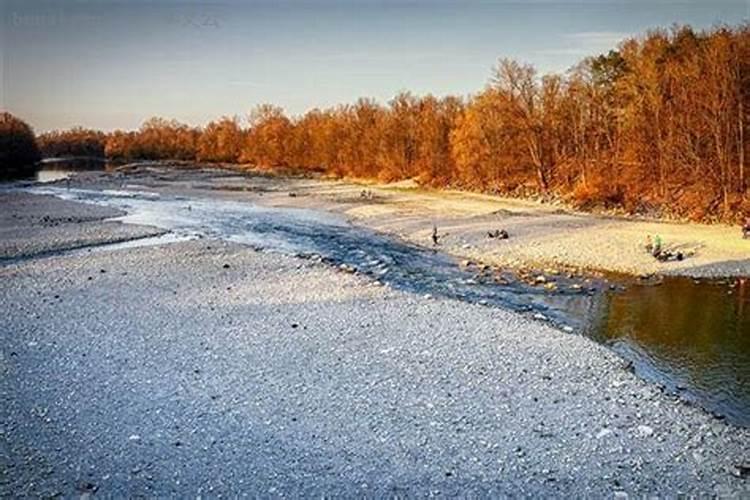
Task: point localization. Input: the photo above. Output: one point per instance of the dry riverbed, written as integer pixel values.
(38, 225)
(207, 368)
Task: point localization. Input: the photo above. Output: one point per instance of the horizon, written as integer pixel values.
(106, 65)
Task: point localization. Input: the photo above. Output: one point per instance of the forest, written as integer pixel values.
(657, 127)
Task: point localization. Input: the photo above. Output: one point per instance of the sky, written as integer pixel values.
(112, 64)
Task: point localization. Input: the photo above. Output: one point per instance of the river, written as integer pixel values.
(692, 337)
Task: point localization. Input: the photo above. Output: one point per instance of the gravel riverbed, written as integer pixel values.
(207, 368)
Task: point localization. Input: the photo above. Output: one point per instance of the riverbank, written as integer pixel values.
(540, 235)
(207, 368)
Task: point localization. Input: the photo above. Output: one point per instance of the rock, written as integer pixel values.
(540, 317)
(741, 470)
(645, 430)
(348, 269)
(568, 329)
(540, 279)
(87, 487)
(225, 266)
(603, 433)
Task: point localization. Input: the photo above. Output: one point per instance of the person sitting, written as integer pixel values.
(656, 249)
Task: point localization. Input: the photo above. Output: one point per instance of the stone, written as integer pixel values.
(603, 433)
(645, 430)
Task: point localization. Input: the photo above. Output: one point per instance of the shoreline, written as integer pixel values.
(541, 235)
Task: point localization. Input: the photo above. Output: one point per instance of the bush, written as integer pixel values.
(18, 149)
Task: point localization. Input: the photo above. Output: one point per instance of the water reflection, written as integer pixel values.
(691, 336)
(55, 169)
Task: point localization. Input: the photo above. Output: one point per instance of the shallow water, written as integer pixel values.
(691, 337)
(56, 169)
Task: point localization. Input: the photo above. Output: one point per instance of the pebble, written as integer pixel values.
(645, 430)
(603, 433)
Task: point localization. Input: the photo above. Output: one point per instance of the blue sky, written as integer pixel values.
(112, 64)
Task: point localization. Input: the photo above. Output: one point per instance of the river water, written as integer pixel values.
(692, 337)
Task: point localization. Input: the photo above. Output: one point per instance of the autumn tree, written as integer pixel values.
(531, 113)
(220, 141)
(267, 140)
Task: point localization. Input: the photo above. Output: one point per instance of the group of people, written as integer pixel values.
(655, 248)
(499, 234)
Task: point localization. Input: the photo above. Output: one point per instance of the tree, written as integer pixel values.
(18, 149)
(266, 143)
(76, 142)
(532, 107)
(220, 141)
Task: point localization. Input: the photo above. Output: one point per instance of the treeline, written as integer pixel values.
(658, 126)
(76, 142)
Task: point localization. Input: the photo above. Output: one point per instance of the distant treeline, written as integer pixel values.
(658, 126)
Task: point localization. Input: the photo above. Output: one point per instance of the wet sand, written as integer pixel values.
(207, 368)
